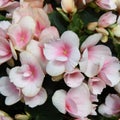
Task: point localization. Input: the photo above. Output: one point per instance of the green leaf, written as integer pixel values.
(3, 18)
(58, 21)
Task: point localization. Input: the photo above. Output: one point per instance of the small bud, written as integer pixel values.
(68, 6)
(116, 31)
(4, 116)
(104, 39)
(102, 30)
(92, 26)
(57, 78)
(22, 116)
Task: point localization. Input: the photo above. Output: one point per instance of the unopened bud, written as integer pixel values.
(22, 116)
(68, 6)
(102, 30)
(57, 78)
(116, 31)
(92, 26)
(104, 39)
(4, 116)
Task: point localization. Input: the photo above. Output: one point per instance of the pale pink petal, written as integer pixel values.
(5, 51)
(58, 100)
(106, 4)
(96, 85)
(71, 38)
(49, 34)
(28, 22)
(9, 6)
(55, 68)
(36, 49)
(78, 101)
(4, 24)
(10, 91)
(73, 78)
(73, 59)
(37, 100)
(110, 71)
(91, 41)
(30, 90)
(111, 106)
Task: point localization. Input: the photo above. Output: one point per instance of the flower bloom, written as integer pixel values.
(63, 54)
(29, 76)
(107, 19)
(76, 102)
(111, 106)
(93, 56)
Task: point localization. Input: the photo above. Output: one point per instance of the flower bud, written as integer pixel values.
(4, 116)
(106, 4)
(92, 26)
(107, 19)
(116, 31)
(68, 6)
(22, 117)
(104, 39)
(102, 30)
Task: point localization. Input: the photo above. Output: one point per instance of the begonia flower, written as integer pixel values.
(110, 71)
(29, 76)
(107, 19)
(73, 78)
(106, 4)
(63, 54)
(36, 47)
(76, 101)
(5, 50)
(38, 99)
(96, 85)
(20, 34)
(111, 107)
(93, 55)
(12, 93)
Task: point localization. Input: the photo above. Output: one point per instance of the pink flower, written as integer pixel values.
(12, 93)
(29, 76)
(110, 71)
(20, 34)
(73, 78)
(76, 102)
(5, 50)
(36, 47)
(107, 19)
(106, 4)
(63, 54)
(96, 85)
(111, 106)
(93, 55)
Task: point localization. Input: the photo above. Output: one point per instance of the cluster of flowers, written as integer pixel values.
(86, 68)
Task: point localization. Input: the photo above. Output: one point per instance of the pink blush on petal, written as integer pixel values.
(22, 38)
